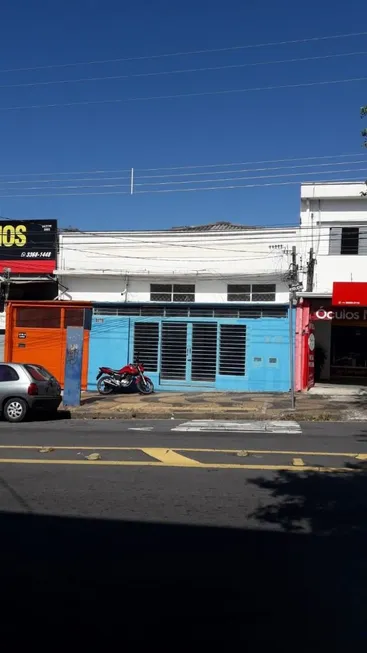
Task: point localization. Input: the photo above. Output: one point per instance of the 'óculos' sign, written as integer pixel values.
(340, 315)
(28, 246)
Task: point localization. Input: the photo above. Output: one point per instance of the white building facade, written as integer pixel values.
(205, 307)
(199, 264)
(334, 225)
(333, 232)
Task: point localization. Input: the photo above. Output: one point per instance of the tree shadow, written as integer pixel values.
(316, 502)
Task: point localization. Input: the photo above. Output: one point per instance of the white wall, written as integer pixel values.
(331, 189)
(322, 207)
(338, 268)
(177, 253)
(2, 319)
(120, 266)
(131, 289)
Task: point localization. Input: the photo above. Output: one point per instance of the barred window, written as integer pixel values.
(168, 292)
(251, 292)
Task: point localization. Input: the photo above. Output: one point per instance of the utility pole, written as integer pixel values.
(310, 271)
(293, 287)
(6, 283)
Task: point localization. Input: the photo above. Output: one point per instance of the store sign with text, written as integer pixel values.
(28, 246)
(339, 315)
(349, 293)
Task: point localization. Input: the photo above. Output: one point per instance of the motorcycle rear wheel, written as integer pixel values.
(145, 389)
(103, 388)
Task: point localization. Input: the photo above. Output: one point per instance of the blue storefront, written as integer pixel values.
(195, 347)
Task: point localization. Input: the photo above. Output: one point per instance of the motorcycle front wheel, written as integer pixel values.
(104, 388)
(146, 388)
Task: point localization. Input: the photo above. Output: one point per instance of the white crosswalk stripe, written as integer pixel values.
(264, 426)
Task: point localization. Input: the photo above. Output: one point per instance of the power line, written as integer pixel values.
(254, 236)
(210, 165)
(186, 53)
(181, 190)
(174, 258)
(285, 183)
(243, 163)
(63, 181)
(80, 172)
(317, 165)
(236, 254)
(194, 174)
(181, 71)
(135, 235)
(196, 181)
(183, 95)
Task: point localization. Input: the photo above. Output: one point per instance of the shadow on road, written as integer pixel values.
(175, 584)
(44, 416)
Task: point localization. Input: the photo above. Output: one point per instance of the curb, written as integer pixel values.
(80, 414)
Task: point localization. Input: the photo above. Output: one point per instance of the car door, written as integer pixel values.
(9, 382)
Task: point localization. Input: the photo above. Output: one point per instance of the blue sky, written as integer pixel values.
(201, 130)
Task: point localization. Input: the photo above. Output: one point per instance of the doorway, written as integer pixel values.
(188, 352)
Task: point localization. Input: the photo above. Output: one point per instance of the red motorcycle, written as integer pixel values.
(109, 380)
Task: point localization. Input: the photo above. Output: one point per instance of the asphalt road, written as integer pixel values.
(232, 537)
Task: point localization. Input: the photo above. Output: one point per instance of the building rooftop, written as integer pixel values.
(215, 226)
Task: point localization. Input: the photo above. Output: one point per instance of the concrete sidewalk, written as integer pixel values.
(221, 405)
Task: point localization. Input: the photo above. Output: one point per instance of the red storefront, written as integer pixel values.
(331, 337)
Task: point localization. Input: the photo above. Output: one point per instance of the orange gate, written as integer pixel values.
(36, 333)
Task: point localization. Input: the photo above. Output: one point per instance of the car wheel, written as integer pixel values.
(15, 410)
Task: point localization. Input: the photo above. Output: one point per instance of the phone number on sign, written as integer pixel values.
(36, 255)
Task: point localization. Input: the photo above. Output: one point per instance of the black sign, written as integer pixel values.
(28, 245)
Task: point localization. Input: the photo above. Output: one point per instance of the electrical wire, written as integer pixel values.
(210, 165)
(220, 172)
(256, 238)
(190, 181)
(245, 163)
(61, 181)
(293, 236)
(194, 181)
(234, 48)
(223, 179)
(179, 190)
(182, 71)
(183, 95)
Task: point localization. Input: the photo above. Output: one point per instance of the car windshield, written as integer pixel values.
(38, 373)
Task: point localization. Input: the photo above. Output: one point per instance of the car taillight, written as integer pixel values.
(33, 389)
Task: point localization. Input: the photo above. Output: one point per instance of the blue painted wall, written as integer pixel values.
(108, 345)
(267, 353)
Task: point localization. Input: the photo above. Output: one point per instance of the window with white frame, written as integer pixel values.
(255, 292)
(172, 292)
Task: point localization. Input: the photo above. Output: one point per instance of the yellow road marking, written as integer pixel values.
(275, 452)
(170, 457)
(298, 462)
(358, 456)
(188, 463)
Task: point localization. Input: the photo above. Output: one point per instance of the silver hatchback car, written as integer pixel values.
(25, 387)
